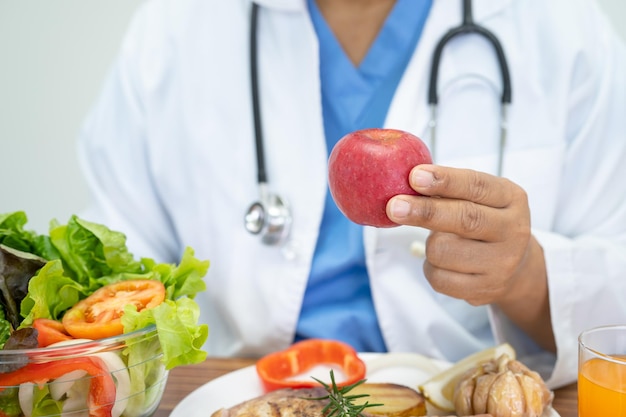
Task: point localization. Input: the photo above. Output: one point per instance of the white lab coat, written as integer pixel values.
(168, 151)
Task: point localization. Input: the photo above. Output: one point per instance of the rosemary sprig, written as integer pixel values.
(340, 404)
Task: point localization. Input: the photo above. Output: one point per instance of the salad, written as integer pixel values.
(80, 284)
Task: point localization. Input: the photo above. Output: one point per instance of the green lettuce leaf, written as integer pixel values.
(50, 294)
(43, 403)
(9, 402)
(180, 336)
(90, 250)
(14, 235)
(179, 339)
(184, 280)
(5, 331)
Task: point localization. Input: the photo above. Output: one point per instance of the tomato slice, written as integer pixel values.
(50, 331)
(99, 315)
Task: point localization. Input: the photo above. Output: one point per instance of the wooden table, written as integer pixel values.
(183, 380)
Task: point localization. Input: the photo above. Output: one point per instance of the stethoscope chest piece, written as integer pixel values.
(270, 218)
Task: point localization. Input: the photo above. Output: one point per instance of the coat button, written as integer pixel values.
(418, 249)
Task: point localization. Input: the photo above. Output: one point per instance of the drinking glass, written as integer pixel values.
(602, 372)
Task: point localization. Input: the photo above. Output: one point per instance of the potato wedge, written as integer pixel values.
(398, 400)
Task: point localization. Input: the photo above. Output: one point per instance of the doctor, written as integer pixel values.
(532, 256)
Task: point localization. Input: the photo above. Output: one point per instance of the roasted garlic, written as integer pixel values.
(503, 388)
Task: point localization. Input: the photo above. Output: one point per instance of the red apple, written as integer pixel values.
(368, 167)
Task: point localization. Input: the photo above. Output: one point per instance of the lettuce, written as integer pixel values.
(83, 256)
(13, 235)
(50, 294)
(9, 402)
(5, 330)
(90, 251)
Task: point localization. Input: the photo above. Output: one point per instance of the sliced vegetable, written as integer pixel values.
(25, 396)
(70, 387)
(50, 331)
(391, 400)
(99, 315)
(101, 389)
(284, 368)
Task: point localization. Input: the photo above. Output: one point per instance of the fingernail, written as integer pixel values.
(400, 208)
(421, 178)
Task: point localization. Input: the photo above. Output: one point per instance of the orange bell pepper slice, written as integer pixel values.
(278, 369)
(101, 397)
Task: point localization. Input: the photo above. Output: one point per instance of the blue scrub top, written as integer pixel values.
(338, 301)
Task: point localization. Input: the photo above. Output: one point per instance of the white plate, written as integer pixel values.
(244, 384)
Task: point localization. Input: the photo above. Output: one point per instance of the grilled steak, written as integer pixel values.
(280, 403)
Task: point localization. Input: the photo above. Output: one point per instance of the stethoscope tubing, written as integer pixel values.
(254, 87)
(468, 26)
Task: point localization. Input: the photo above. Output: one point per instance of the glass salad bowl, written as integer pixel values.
(117, 376)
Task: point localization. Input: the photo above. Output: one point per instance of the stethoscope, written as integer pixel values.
(468, 26)
(270, 216)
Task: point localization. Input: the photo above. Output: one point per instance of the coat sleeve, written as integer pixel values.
(585, 251)
(114, 150)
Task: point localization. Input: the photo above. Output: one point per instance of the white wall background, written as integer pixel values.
(53, 58)
(54, 55)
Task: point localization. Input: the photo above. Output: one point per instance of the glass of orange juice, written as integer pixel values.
(602, 372)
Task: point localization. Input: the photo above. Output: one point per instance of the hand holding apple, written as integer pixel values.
(368, 167)
(480, 248)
